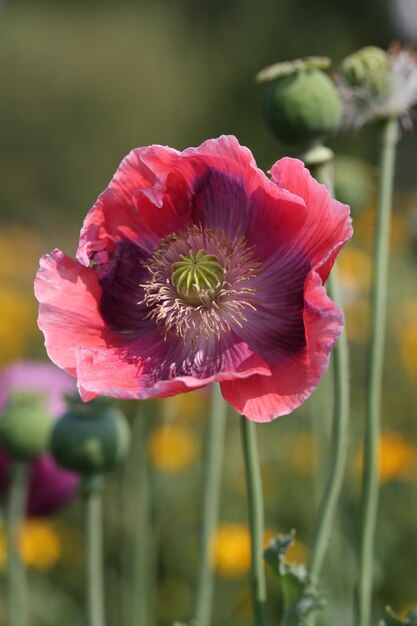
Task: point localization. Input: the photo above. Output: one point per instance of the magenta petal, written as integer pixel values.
(261, 398)
(4, 471)
(51, 486)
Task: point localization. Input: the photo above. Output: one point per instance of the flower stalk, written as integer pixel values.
(320, 162)
(389, 141)
(138, 509)
(92, 487)
(16, 510)
(340, 424)
(212, 478)
(256, 519)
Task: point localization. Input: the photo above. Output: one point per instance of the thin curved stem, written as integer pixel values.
(256, 519)
(340, 424)
(375, 371)
(16, 574)
(92, 488)
(212, 479)
(323, 172)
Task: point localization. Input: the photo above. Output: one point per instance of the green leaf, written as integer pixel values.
(391, 619)
(300, 595)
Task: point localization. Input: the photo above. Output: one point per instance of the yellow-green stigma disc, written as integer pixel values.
(197, 277)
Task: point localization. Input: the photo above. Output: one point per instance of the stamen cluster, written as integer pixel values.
(200, 283)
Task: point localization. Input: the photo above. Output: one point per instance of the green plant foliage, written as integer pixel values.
(300, 595)
(391, 619)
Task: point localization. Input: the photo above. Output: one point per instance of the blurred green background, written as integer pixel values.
(84, 82)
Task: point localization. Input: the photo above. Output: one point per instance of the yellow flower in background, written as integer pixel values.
(20, 249)
(231, 551)
(172, 448)
(397, 458)
(18, 323)
(40, 545)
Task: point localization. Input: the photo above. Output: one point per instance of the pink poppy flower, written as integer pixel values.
(195, 267)
(50, 486)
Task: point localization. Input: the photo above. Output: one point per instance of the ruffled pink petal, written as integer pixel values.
(327, 226)
(262, 398)
(150, 367)
(145, 200)
(69, 296)
(226, 148)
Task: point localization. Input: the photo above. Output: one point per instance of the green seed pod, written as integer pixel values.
(368, 68)
(91, 438)
(301, 104)
(25, 426)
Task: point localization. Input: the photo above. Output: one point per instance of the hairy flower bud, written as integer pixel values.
(368, 68)
(91, 438)
(25, 426)
(375, 85)
(301, 104)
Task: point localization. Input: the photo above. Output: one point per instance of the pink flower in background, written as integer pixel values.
(195, 267)
(50, 485)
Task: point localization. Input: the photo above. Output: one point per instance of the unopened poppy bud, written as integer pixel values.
(367, 68)
(91, 438)
(301, 104)
(25, 426)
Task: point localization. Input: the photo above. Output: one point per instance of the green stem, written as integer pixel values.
(322, 170)
(212, 480)
(375, 372)
(137, 504)
(92, 488)
(16, 513)
(256, 519)
(328, 505)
